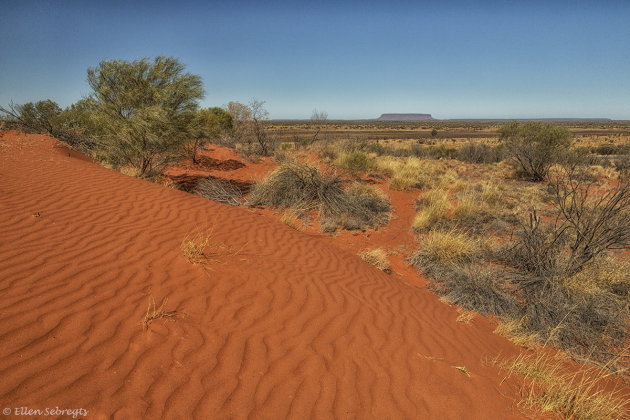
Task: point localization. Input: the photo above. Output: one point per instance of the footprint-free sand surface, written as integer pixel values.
(278, 323)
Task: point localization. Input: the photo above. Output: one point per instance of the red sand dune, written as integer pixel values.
(290, 326)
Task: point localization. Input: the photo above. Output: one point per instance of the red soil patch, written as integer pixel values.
(291, 326)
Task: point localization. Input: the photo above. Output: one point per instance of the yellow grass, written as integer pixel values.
(199, 247)
(465, 316)
(154, 312)
(434, 206)
(450, 247)
(548, 387)
(377, 257)
(510, 329)
(290, 219)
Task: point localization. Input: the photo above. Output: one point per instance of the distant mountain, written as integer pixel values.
(405, 117)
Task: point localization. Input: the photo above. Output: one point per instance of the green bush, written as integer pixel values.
(144, 108)
(354, 162)
(534, 147)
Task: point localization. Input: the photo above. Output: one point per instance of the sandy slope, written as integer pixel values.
(288, 327)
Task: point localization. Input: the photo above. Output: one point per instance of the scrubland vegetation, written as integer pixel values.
(527, 222)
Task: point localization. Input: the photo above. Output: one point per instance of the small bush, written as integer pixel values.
(479, 153)
(363, 206)
(611, 149)
(354, 162)
(534, 147)
(303, 186)
(622, 165)
(377, 257)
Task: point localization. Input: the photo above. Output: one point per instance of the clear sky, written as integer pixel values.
(353, 59)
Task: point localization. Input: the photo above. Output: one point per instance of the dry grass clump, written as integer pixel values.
(405, 174)
(219, 190)
(549, 387)
(303, 186)
(465, 316)
(433, 207)
(471, 208)
(291, 219)
(408, 176)
(154, 312)
(449, 247)
(200, 248)
(193, 246)
(377, 257)
(410, 172)
(353, 161)
(476, 206)
(512, 329)
(607, 274)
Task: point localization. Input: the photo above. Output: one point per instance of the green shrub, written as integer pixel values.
(534, 147)
(354, 162)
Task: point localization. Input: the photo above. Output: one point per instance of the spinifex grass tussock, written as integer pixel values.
(449, 247)
(377, 257)
(303, 186)
(354, 161)
(552, 388)
(432, 206)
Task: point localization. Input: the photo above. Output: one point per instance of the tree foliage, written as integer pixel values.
(207, 125)
(39, 117)
(144, 108)
(534, 146)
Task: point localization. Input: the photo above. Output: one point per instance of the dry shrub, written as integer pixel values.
(549, 387)
(470, 287)
(303, 186)
(363, 206)
(219, 190)
(377, 257)
(479, 153)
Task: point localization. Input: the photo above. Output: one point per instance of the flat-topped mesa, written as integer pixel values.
(405, 117)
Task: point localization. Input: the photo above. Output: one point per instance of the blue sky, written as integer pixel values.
(354, 59)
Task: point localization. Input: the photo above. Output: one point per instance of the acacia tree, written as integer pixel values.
(41, 116)
(534, 146)
(144, 107)
(206, 126)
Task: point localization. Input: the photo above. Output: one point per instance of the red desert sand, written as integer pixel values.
(278, 323)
